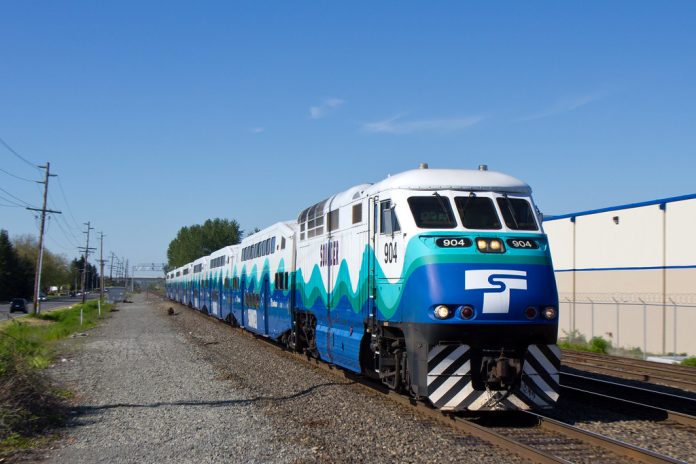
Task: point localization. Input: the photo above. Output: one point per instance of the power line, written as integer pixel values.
(10, 206)
(16, 176)
(65, 198)
(74, 245)
(33, 165)
(16, 198)
(65, 222)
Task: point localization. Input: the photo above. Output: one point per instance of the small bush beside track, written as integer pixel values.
(29, 403)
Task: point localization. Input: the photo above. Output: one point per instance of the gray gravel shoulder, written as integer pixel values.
(187, 388)
(146, 395)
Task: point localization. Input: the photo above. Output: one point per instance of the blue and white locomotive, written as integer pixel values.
(438, 282)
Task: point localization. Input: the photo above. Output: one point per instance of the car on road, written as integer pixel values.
(42, 296)
(19, 304)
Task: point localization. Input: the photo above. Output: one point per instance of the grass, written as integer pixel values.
(689, 362)
(29, 404)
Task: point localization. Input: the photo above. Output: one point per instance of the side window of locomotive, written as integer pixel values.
(517, 213)
(432, 212)
(477, 212)
(389, 223)
(357, 213)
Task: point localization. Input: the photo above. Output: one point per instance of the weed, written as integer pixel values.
(29, 404)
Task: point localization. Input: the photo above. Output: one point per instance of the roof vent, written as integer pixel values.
(423, 166)
(483, 167)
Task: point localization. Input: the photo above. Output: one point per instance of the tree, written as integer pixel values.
(194, 241)
(54, 269)
(16, 272)
(76, 267)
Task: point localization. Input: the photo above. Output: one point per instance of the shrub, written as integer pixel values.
(689, 362)
(599, 345)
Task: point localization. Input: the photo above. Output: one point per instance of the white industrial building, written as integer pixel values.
(628, 273)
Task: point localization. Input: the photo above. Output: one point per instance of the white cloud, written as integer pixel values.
(397, 125)
(323, 109)
(257, 130)
(563, 106)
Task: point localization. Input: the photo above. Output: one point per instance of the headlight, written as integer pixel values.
(442, 312)
(490, 245)
(549, 312)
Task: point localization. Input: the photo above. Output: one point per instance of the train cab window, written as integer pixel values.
(273, 245)
(389, 223)
(357, 213)
(282, 243)
(477, 212)
(432, 212)
(517, 213)
(332, 220)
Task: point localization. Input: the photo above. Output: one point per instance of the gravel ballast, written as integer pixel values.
(185, 388)
(154, 387)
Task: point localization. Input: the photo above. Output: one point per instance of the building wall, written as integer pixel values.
(631, 270)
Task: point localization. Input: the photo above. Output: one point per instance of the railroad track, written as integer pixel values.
(531, 436)
(643, 396)
(683, 377)
(632, 408)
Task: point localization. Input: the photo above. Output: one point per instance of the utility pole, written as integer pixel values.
(101, 265)
(111, 273)
(84, 271)
(39, 260)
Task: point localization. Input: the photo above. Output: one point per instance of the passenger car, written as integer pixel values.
(18, 304)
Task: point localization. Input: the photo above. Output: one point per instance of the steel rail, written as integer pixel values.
(641, 372)
(463, 425)
(610, 444)
(678, 417)
(632, 389)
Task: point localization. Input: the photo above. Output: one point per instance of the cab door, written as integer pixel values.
(389, 258)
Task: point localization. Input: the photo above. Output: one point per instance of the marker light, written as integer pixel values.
(467, 312)
(442, 312)
(530, 312)
(549, 312)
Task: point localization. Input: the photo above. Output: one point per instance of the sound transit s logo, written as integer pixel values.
(497, 284)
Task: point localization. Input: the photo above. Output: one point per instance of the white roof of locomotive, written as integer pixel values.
(452, 179)
(431, 179)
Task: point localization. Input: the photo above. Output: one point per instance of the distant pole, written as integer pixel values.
(84, 272)
(101, 265)
(39, 259)
(111, 272)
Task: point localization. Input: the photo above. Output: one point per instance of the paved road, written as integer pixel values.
(47, 305)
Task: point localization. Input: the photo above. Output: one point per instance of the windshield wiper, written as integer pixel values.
(466, 205)
(511, 210)
(442, 205)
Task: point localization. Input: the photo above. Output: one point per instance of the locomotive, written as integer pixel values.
(437, 282)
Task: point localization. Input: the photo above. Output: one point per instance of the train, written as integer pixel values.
(438, 283)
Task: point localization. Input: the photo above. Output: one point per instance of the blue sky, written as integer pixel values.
(157, 115)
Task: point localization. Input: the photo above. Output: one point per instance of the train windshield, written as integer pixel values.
(477, 212)
(517, 213)
(432, 212)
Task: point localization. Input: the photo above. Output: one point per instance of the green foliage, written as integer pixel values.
(576, 341)
(54, 268)
(689, 362)
(75, 274)
(194, 241)
(599, 345)
(16, 272)
(28, 403)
